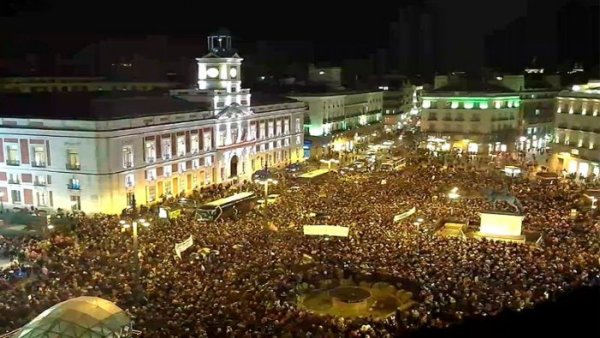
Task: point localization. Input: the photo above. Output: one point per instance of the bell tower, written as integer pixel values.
(220, 71)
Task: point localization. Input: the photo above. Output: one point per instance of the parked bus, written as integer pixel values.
(226, 207)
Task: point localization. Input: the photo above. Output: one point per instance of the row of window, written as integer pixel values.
(580, 142)
(228, 134)
(498, 104)
(432, 116)
(38, 198)
(13, 157)
(471, 128)
(37, 180)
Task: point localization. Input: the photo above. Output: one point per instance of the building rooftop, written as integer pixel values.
(92, 106)
(472, 86)
(103, 106)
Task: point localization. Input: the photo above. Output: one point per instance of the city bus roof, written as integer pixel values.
(314, 173)
(230, 199)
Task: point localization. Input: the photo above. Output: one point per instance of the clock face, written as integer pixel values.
(233, 72)
(212, 72)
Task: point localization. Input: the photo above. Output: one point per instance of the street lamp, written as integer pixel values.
(453, 196)
(265, 178)
(136, 259)
(329, 162)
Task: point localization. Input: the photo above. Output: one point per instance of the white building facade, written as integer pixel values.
(576, 148)
(477, 123)
(101, 164)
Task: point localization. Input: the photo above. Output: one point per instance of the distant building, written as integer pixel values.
(330, 77)
(470, 116)
(536, 111)
(105, 151)
(335, 121)
(150, 59)
(76, 84)
(576, 148)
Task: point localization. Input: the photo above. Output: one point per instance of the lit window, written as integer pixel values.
(454, 104)
(127, 157)
(207, 141)
(16, 196)
(73, 159)
(483, 105)
(150, 152)
(181, 145)
(167, 171)
(12, 151)
(195, 146)
(151, 174)
(426, 104)
(129, 180)
(74, 184)
(166, 148)
(39, 156)
(468, 105)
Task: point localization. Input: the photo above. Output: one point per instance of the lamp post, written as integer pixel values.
(138, 291)
(329, 162)
(453, 196)
(266, 179)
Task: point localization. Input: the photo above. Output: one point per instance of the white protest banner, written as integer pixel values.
(181, 247)
(326, 230)
(404, 214)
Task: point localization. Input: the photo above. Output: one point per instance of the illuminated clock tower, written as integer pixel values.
(219, 72)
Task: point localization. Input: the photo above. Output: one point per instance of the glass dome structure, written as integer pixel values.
(81, 317)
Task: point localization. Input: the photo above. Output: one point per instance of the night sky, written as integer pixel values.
(338, 31)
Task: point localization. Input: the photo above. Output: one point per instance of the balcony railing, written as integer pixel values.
(13, 181)
(166, 156)
(39, 183)
(13, 162)
(127, 164)
(73, 186)
(73, 166)
(38, 164)
(150, 159)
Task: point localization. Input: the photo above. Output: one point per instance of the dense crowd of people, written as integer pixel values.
(239, 279)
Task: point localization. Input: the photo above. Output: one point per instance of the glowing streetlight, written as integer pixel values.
(453, 195)
(329, 162)
(265, 178)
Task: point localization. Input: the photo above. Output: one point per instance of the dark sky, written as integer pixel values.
(338, 31)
